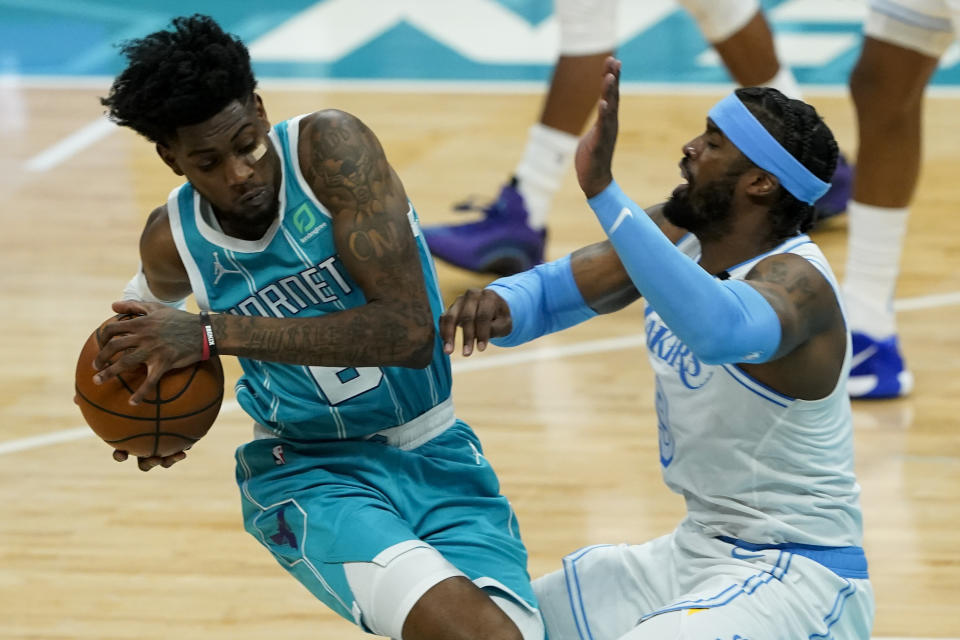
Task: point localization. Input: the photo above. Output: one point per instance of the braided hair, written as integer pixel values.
(179, 77)
(802, 132)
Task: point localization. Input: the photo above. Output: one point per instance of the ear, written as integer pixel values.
(761, 183)
(261, 110)
(166, 154)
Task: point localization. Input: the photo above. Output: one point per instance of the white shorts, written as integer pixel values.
(925, 26)
(688, 586)
(587, 27)
(720, 19)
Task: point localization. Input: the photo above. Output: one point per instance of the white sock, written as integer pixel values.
(873, 264)
(786, 83)
(548, 155)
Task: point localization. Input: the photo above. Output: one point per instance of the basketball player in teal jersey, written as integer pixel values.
(305, 257)
(751, 354)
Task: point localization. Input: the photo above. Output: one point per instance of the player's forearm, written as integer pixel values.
(604, 283)
(542, 300)
(374, 335)
(718, 321)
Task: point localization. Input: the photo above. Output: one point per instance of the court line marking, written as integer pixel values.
(492, 361)
(71, 145)
(44, 439)
(100, 128)
(489, 362)
(927, 302)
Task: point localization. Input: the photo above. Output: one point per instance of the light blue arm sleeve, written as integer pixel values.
(719, 321)
(542, 300)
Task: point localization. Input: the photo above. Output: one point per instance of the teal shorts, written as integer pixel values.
(318, 505)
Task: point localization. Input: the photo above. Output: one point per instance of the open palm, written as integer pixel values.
(595, 151)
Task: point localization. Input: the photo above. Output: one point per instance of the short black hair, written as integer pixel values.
(802, 132)
(179, 77)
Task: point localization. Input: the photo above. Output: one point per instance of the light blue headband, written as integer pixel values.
(747, 134)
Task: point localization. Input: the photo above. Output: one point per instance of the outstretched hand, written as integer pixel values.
(595, 151)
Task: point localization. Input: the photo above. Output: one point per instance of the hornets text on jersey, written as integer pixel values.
(294, 271)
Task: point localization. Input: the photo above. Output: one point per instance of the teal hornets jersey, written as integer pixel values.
(294, 271)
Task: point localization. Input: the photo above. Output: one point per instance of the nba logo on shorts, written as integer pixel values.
(278, 455)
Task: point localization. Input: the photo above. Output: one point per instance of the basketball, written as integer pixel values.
(185, 405)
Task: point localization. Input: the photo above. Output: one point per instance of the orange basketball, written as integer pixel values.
(185, 405)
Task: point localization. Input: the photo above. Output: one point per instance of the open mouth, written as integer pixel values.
(685, 174)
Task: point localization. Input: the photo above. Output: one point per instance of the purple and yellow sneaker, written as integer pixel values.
(501, 243)
(835, 200)
(877, 369)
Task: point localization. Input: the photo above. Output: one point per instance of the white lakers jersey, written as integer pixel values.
(752, 463)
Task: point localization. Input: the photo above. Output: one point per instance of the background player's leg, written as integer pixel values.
(512, 235)
(739, 32)
(741, 36)
(750, 56)
(887, 86)
(551, 143)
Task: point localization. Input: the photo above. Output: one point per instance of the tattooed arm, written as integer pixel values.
(346, 167)
(349, 173)
(813, 335)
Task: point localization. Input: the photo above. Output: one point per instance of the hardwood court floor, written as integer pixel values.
(96, 550)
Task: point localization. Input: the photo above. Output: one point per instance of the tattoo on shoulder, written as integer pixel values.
(776, 273)
(798, 283)
(350, 174)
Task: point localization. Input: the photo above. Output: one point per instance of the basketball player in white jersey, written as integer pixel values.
(304, 254)
(751, 354)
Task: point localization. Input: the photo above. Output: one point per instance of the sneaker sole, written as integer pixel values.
(503, 262)
(864, 387)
